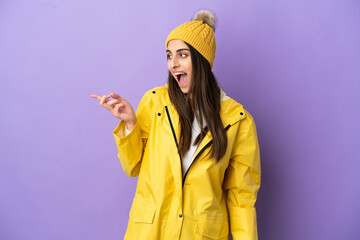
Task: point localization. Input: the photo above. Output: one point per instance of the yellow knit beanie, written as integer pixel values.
(199, 33)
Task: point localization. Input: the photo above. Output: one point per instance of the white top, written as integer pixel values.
(190, 154)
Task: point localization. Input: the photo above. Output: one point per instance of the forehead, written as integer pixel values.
(176, 44)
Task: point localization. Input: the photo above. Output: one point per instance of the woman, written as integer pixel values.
(194, 149)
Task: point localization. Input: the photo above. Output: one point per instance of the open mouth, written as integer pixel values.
(180, 77)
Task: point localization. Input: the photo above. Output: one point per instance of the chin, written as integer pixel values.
(184, 90)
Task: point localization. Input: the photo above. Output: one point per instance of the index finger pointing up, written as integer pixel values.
(98, 97)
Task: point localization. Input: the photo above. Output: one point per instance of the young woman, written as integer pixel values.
(194, 149)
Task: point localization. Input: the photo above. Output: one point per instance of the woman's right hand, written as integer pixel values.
(119, 108)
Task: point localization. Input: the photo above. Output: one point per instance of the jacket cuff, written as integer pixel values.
(243, 223)
(121, 132)
(130, 148)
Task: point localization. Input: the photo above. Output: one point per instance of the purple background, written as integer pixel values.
(294, 65)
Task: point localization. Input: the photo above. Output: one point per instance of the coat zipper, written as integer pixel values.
(177, 145)
(174, 135)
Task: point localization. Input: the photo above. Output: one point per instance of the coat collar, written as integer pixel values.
(230, 110)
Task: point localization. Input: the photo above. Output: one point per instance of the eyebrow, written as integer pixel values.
(179, 50)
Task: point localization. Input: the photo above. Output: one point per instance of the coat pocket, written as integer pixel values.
(213, 228)
(142, 211)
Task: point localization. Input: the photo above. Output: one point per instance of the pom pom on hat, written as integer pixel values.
(199, 33)
(207, 17)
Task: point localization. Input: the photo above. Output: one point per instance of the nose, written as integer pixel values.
(174, 62)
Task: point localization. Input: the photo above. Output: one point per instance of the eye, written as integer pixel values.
(168, 56)
(183, 55)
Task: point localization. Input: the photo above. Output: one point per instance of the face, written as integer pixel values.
(179, 63)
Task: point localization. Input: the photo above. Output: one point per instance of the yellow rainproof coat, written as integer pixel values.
(213, 198)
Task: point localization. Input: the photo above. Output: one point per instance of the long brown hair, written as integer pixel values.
(204, 96)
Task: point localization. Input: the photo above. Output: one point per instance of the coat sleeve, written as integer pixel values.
(132, 146)
(242, 181)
